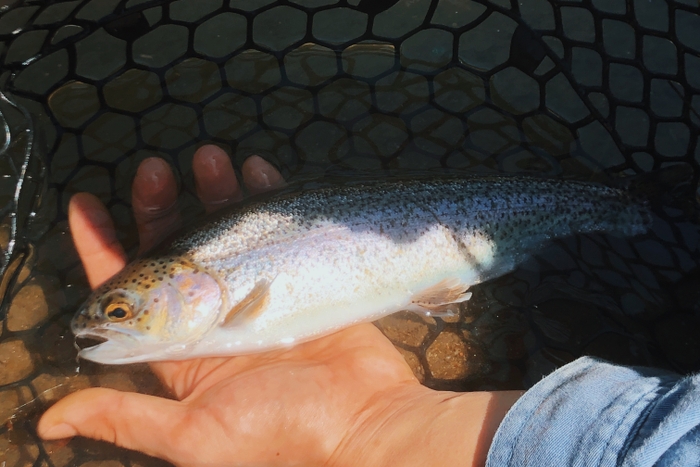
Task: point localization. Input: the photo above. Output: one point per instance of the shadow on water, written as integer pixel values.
(587, 92)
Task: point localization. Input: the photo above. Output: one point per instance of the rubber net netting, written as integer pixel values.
(587, 89)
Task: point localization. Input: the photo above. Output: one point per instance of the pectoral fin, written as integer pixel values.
(441, 299)
(251, 306)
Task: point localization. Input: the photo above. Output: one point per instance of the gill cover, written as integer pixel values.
(153, 308)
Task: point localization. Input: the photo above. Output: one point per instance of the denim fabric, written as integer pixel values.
(593, 413)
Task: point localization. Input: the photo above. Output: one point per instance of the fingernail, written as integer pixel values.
(62, 430)
(214, 164)
(154, 169)
(262, 180)
(154, 187)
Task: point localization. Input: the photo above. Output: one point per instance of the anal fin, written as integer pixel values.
(441, 299)
(251, 306)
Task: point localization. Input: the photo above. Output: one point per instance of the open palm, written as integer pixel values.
(326, 402)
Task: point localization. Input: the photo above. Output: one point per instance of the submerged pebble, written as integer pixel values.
(448, 357)
(29, 308)
(15, 361)
(407, 328)
(60, 453)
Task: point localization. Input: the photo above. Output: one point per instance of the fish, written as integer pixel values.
(299, 265)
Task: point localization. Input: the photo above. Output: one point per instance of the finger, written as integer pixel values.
(95, 238)
(260, 176)
(154, 197)
(215, 178)
(134, 421)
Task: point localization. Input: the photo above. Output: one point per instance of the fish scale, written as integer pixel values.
(290, 268)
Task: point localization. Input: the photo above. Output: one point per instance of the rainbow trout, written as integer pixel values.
(292, 268)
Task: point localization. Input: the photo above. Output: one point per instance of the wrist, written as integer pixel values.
(415, 425)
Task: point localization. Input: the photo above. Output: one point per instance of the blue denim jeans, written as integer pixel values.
(593, 413)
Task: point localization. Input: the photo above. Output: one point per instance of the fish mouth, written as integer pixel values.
(97, 336)
(86, 341)
(120, 347)
(109, 346)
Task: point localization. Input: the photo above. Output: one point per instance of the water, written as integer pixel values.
(573, 90)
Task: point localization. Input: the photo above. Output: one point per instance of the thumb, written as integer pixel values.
(130, 420)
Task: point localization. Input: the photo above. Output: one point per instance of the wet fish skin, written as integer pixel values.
(292, 268)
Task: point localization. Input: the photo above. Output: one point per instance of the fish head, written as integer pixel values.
(152, 310)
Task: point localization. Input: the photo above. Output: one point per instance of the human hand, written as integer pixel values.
(346, 399)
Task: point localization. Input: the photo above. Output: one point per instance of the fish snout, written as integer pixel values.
(80, 321)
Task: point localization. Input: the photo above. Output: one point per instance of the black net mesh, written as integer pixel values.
(576, 89)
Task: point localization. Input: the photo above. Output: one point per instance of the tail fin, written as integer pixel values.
(671, 187)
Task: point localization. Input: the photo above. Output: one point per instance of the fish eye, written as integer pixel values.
(118, 311)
